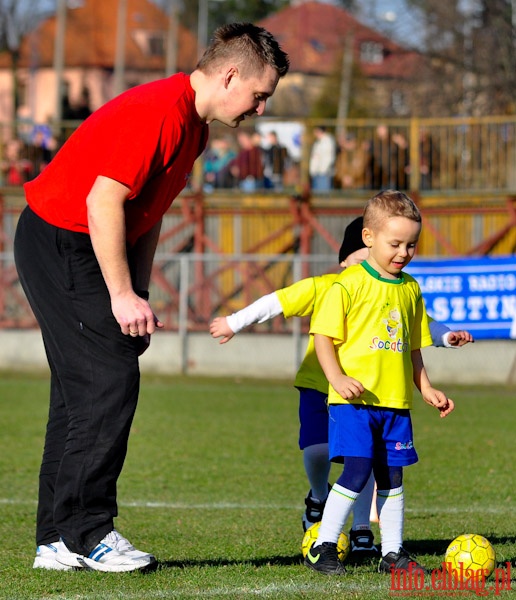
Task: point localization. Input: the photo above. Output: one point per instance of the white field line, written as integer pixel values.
(478, 508)
(318, 590)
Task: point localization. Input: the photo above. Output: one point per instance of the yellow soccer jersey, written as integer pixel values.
(375, 323)
(300, 300)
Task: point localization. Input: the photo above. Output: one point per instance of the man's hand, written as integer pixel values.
(134, 315)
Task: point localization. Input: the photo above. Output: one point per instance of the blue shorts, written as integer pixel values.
(383, 434)
(313, 417)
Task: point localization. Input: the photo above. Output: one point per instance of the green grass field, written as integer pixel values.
(214, 486)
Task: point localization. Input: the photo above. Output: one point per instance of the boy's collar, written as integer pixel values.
(374, 273)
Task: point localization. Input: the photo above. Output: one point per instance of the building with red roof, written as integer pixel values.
(315, 35)
(90, 47)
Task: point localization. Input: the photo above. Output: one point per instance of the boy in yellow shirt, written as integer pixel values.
(304, 298)
(368, 335)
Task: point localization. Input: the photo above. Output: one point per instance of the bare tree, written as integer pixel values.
(470, 45)
(224, 11)
(494, 48)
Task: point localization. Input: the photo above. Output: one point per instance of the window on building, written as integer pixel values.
(399, 103)
(371, 52)
(150, 43)
(317, 45)
(22, 91)
(156, 45)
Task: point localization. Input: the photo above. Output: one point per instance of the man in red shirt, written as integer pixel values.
(84, 249)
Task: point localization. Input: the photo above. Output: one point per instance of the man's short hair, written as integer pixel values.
(252, 46)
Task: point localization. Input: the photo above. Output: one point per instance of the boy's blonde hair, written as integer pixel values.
(387, 204)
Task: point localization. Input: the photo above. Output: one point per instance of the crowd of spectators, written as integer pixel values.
(254, 162)
(340, 160)
(354, 159)
(24, 157)
(382, 161)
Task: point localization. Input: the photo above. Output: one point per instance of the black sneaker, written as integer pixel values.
(402, 561)
(362, 541)
(314, 510)
(324, 558)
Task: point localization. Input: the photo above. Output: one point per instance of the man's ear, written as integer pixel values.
(229, 75)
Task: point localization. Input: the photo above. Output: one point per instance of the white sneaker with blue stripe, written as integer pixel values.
(114, 553)
(46, 558)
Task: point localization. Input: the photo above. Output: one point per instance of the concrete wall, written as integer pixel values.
(266, 355)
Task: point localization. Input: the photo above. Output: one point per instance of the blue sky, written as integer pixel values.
(394, 18)
(399, 20)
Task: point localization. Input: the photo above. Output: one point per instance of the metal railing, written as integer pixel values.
(237, 252)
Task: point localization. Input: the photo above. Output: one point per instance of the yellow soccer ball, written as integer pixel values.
(311, 536)
(468, 553)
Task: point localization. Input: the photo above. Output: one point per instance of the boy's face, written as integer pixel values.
(392, 246)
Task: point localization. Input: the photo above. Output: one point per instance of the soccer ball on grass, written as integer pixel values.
(311, 536)
(473, 552)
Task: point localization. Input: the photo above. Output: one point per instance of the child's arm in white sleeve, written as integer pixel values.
(261, 310)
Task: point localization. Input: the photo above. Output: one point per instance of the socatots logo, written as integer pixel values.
(393, 326)
(392, 323)
(393, 346)
(404, 445)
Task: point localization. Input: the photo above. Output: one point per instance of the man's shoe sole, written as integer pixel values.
(93, 565)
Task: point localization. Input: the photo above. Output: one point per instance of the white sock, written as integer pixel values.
(390, 505)
(317, 467)
(338, 508)
(362, 508)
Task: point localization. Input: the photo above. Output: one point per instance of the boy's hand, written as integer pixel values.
(438, 399)
(459, 338)
(219, 328)
(347, 387)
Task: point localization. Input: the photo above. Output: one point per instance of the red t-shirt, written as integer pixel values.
(148, 139)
